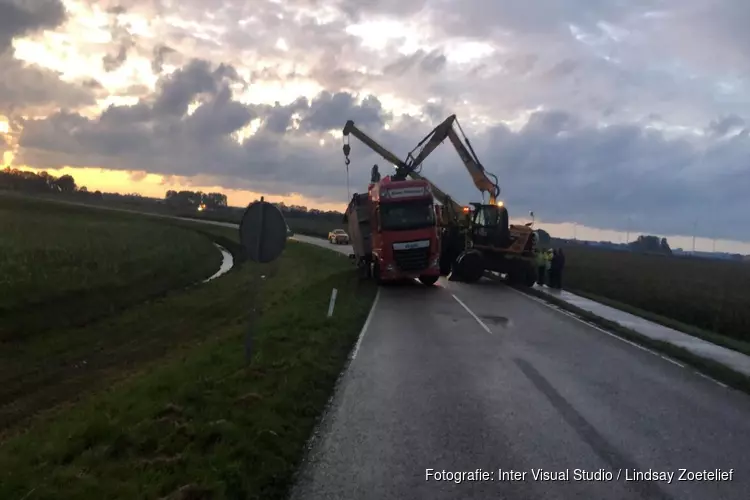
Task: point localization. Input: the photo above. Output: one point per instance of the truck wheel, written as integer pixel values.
(470, 267)
(446, 263)
(428, 280)
(376, 273)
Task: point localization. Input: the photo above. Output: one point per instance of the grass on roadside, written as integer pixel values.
(64, 265)
(201, 423)
(709, 367)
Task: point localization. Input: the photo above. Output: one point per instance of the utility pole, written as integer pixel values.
(575, 231)
(695, 227)
(627, 238)
(713, 242)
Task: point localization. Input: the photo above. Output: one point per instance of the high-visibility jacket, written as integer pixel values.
(548, 259)
(541, 260)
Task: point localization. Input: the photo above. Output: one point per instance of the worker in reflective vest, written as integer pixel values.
(548, 264)
(541, 266)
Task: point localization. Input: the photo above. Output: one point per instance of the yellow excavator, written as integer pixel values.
(474, 239)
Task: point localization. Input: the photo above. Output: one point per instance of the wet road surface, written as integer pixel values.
(465, 377)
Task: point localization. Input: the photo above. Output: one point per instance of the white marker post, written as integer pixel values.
(332, 303)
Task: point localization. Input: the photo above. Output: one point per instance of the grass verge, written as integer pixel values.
(706, 366)
(201, 422)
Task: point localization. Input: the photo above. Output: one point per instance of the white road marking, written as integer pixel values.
(481, 323)
(712, 380)
(602, 330)
(366, 325)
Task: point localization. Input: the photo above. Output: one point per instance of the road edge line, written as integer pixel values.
(365, 327)
(707, 368)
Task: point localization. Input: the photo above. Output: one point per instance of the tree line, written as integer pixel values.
(196, 199)
(12, 179)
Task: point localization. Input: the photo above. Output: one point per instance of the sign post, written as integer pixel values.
(263, 237)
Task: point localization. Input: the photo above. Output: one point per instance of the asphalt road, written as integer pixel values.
(512, 384)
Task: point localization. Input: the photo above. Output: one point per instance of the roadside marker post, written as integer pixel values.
(332, 303)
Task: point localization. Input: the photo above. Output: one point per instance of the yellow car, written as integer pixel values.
(338, 237)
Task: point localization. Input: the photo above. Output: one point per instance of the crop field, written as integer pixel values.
(152, 394)
(709, 295)
(64, 265)
(160, 401)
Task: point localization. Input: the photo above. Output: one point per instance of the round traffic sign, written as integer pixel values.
(263, 232)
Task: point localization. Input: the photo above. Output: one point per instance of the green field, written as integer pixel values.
(706, 296)
(157, 399)
(64, 265)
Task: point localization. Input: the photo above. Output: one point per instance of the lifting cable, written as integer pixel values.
(347, 149)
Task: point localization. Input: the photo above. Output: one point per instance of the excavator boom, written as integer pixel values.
(483, 180)
(402, 168)
(352, 129)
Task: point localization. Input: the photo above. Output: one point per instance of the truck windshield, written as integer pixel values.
(407, 215)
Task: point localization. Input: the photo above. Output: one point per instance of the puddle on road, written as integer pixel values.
(227, 263)
(497, 320)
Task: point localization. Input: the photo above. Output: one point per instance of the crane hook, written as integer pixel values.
(347, 149)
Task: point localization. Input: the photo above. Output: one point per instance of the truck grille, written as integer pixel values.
(414, 259)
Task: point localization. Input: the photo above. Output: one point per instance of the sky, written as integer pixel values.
(607, 118)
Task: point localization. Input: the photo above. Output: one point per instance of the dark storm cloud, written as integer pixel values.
(326, 110)
(23, 17)
(179, 89)
(25, 87)
(159, 133)
(160, 53)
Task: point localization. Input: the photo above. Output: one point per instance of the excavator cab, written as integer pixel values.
(490, 225)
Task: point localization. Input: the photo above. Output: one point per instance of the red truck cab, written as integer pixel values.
(405, 239)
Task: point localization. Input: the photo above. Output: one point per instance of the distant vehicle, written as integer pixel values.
(338, 237)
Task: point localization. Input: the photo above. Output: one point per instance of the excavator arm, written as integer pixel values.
(483, 180)
(352, 129)
(402, 168)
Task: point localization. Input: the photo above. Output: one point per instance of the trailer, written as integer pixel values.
(357, 219)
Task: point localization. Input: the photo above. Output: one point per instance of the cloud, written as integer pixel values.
(593, 112)
(160, 53)
(557, 164)
(22, 17)
(35, 90)
(159, 132)
(27, 87)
